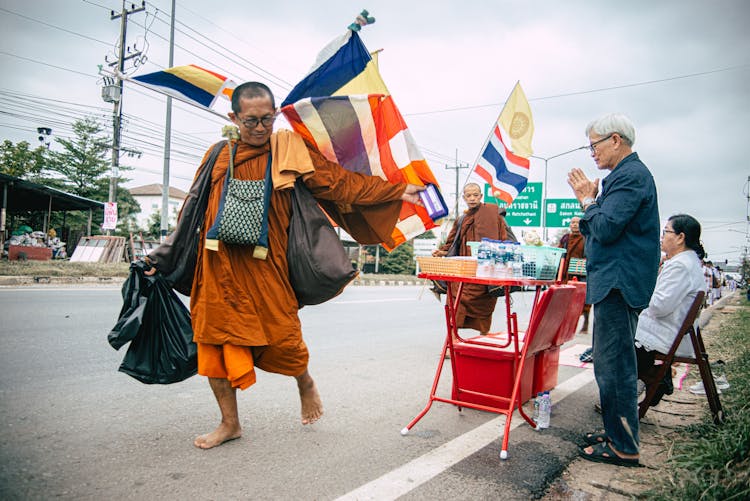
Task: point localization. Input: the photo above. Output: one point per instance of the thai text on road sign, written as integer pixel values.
(526, 209)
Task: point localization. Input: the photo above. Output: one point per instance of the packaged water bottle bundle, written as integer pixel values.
(499, 259)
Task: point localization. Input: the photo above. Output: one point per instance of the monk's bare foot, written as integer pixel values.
(312, 407)
(223, 433)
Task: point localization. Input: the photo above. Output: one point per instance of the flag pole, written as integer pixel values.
(492, 130)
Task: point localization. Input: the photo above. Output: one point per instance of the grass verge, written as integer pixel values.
(62, 269)
(77, 269)
(710, 462)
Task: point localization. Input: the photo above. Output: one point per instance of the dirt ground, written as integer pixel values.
(584, 480)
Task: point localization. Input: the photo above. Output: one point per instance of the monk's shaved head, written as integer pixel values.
(250, 90)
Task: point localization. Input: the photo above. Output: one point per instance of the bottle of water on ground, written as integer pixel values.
(537, 401)
(545, 409)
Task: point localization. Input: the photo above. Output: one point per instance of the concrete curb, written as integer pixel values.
(11, 281)
(709, 311)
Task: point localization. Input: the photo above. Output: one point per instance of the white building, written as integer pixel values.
(149, 198)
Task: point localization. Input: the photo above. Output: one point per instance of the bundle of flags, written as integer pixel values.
(343, 107)
(503, 163)
(191, 84)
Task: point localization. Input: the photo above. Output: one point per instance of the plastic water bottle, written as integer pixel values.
(537, 401)
(485, 260)
(545, 408)
(499, 248)
(517, 262)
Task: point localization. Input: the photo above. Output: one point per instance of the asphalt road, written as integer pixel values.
(76, 428)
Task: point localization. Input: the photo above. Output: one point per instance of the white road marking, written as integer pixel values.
(385, 300)
(404, 479)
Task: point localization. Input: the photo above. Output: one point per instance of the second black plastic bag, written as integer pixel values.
(157, 324)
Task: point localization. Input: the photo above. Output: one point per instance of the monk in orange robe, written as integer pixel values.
(244, 310)
(479, 221)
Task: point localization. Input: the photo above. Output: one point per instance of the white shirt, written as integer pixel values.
(681, 278)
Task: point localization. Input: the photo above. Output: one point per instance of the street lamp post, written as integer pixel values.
(544, 189)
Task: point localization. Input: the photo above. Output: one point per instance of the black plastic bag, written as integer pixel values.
(157, 325)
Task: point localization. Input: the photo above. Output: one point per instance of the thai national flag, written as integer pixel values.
(505, 172)
(344, 108)
(506, 169)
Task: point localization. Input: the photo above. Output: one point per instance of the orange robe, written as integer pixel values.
(243, 309)
(476, 307)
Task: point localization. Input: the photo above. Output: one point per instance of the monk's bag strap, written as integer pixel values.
(441, 286)
(243, 211)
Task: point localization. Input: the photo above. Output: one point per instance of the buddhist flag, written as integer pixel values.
(191, 84)
(344, 108)
(504, 160)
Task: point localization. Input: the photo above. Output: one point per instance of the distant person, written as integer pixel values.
(732, 283)
(708, 277)
(621, 227)
(573, 242)
(479, 221)
(717, 283)
(679, 281)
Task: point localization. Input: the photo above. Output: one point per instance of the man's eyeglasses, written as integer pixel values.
(592, 146)
(252, 122)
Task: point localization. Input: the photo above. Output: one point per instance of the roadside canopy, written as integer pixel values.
(19, 195)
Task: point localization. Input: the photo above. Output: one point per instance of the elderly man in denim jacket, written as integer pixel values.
(621, 226)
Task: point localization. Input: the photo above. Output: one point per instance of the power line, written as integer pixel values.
(591, 91)
(54, 26)
(46, 64)
(266, 74)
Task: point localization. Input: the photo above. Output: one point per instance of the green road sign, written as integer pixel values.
(560, 211)
(525, 211)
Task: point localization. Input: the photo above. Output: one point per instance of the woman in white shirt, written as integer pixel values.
(680, 279)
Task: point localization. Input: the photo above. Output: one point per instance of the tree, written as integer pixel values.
(82, 164)
(400, 261)
(19, 160)
(82, 168)
(154, 225)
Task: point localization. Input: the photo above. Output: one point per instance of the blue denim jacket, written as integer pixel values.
(622, 235)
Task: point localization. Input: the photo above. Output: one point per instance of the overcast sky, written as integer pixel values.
(679, 69)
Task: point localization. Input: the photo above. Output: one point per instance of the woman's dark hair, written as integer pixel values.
(249, 90)
(691, 228)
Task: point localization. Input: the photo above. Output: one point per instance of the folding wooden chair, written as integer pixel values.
(700, 359)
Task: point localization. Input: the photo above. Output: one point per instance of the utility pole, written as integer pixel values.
(457, 167)
(117, 111)
(167, 142)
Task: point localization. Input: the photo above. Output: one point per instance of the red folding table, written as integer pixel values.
(479, 363)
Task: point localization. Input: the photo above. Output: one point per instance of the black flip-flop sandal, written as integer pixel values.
(595, 437)
(603, 453)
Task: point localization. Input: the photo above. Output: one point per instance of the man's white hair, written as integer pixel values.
(611, 124)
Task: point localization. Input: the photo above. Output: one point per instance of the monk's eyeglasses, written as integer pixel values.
(252, 122)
